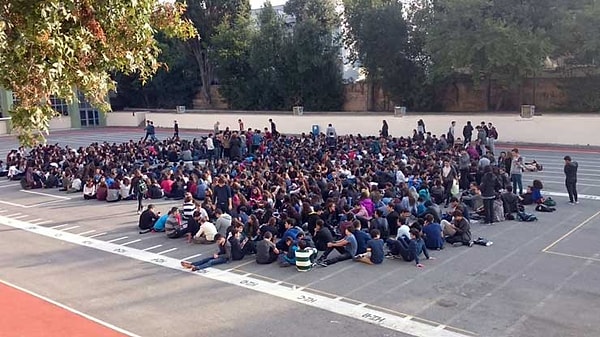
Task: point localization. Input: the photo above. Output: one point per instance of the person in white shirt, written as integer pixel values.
(207, 232)
(210, 147)
(76, 186)
(125, 188)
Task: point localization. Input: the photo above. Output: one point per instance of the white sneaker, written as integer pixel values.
(139, 212)
(577, 202)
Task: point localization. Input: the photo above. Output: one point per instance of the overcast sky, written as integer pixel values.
(259, 3)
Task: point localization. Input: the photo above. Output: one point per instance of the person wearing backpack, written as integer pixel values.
(138, 188)
(488, 186)
(571, 179)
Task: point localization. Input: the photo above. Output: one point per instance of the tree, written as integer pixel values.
(50, 47)
(174, 84)
(207, 16)
(381, 40)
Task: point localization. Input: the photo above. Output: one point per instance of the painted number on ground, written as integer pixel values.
(307, 299)
(373, 318)
(248, 283)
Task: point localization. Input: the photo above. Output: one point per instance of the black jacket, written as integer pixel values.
(489, 182)
(571, 171)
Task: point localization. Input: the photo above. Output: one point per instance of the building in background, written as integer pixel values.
(79, 114)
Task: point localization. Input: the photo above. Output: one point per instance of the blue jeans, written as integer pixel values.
(209, 262)
(517, 181)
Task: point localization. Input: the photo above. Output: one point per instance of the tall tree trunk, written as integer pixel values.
(206, 70)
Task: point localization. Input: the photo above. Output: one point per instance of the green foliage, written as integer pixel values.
(50, 47)
(583, 93)
(175, 84)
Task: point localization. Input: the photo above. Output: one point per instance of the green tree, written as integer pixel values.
(49, 47)
(382, 41)
(175, 84)
(209, 17)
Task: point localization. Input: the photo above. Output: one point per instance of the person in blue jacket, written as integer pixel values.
(409, 251)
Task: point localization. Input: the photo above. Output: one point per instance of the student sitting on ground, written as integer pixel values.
(159, 225)
(374, 254)
(289, 258)
(207, 232)
(346, 247)
(147, 219)
(461, 229)
(89, 190)
(125, 188)
(432, 233)
(173, 227)
(266, 252)
(410, 250)
(102, 190)
(305, 256)
(322, 236)
(222, 256)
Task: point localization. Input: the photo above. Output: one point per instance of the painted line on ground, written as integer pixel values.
(35, 221)
(117, 239)
(87, 232)
(586, 221)
(20, 216)
(593, 259)
(74, 311)
(366, 313)
(14, 214)
(166, 251)
(43, 222)
(579, 196)
(46, 194)
(150, 248)
(13, 204)
(130, 242)
(69, 228)
(96, 235)
(59, 226)
(9, 185)
(191, 257)
(3, 211)
(563, 183)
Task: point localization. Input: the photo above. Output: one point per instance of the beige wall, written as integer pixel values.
(4, 125)
(125, 118)
(60, 123)
(548, 129)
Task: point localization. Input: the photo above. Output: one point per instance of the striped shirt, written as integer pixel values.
(188, 209)
(303, 262)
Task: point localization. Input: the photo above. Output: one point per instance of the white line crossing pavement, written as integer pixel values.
(117, 239)
(167, 251)
(69, 228)
(352, 309)
(96, 235)
(130, 242)
(150, 248)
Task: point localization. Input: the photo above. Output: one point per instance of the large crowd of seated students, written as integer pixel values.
(287, 198)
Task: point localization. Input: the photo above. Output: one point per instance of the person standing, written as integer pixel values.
(385, 129)
(274, 132)
(241, 124)
(147, 129)
(210, 147)
(516, 171)
(421, 127)
(175, 130)
(450, 137)
(571, 179)
(468, 132)
(216, 128)
(492, 138)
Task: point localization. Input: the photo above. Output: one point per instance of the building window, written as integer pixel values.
(60, 105)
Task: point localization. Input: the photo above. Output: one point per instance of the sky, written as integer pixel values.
(259, 3)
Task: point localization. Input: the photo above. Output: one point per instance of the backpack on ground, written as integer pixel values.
(544, 208)
(549, 202)
(526, 217)
(509, 216)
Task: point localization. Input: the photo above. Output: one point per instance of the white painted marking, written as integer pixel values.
(130, 242)
(97, 235)
(566, 195)
(59, 226)
(43, 222)
(150, 248)
(46, 195)
(20, 216)
(189, 258)
(344, 308)
(3, 211)
(69, 228)
(87, 232)
(75, 311)
(166, 251)
(562, 183)
(34, 221)
(13, 215)
(13, 204)
(9, 185)
(117, 239)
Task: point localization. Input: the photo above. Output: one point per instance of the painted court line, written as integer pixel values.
(117, 239)
(43, 222)
(369, 314)
(96, 235)
(130, 242)
(580, 196)
(150, 248)
(46, 195)
(69, 228)
(20, 216)
(14, 214)
(189, 258)
(87, 232)
(59, 226)
(585, 222)
(166, 251)
(69, 309)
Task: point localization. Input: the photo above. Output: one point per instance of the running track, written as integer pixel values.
(24, 315)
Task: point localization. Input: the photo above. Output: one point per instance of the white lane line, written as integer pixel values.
(59, 226)
(34, 221)
(189, 258)
(20, 216)
(166, 251)
(117, 239)
(75, 311)
(150, 248)
(130, 242)
(87, 232)
(368, 314)
(43, 222)
(96, 235)
(14, 214)
(46, 195)
(566, 195)
(69, 228)
(3, 211)
(563, 183)
(9, 185)
(13, 204)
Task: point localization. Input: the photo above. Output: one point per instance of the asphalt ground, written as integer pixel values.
(538, 279)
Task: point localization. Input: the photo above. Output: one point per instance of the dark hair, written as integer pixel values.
(320, 223)
(302, 244)
(375, 232)
(218, 236)
(416, 233)
(429, 218)
(458, 212)
(567, 158)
